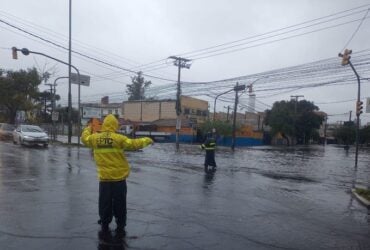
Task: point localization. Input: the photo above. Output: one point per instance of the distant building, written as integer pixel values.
(100, 110)
(193, 109)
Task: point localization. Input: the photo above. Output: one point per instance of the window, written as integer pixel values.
(116, 111)
(186, 111)
(109, 111)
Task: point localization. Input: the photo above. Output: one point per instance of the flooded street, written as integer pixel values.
(259, 198)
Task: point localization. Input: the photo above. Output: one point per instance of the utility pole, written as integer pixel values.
(52, 92)
(350, 115)
(345, 61)
(227, 115)
(237, 88)
(296, 101)
(325, 129)
(180, 63)
(295, 110)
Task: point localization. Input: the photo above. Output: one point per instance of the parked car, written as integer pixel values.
(30, 135)
(6, 131)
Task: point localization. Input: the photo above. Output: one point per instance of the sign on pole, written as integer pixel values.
(368, 105)
(55, 116)
(84, 79)
(90, 112)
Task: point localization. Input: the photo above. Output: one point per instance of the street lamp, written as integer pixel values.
(214, 106)
(26, 52)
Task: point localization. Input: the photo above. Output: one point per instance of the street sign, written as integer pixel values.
(368, 105)
(84, 79)
(178, 124)
(55, 116)
(90, 112)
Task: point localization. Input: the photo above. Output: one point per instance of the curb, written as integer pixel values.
(362, 200)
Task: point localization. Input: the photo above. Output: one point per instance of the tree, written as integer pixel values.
(365, 135)
(294, 119)
(45, 102)
(136, 90)
(222, 128)
(63, 114)
(18, 90)
(346, 134)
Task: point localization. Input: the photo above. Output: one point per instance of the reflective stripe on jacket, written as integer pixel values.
(209, 144)
(109, 147)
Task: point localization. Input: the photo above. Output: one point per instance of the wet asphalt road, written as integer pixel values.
(259, 198)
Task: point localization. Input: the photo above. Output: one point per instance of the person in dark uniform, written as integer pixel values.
(209, 145)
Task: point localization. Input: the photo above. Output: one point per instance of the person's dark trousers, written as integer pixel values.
(112, 202)
(210, 158)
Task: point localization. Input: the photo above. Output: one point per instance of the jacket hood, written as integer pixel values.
(110, 123)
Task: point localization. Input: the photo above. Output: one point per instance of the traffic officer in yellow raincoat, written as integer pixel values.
(113, 169)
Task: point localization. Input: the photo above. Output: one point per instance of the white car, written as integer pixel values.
(30, 135)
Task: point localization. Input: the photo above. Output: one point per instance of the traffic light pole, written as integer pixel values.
(26, 52)
(358, 113)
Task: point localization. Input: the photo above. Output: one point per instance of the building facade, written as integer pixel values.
(193, 109)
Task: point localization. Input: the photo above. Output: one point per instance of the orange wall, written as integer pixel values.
(187, 131)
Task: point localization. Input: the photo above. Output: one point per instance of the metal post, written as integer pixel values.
(55, 90)
(52, 108)
(69, 75)
(357, 113)
(295, 114)
(178, 107)
(214, 105)
(325, 129)
(234, 118)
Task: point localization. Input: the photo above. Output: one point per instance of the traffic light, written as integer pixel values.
(359, 107)
(346, 56)
(14, 53)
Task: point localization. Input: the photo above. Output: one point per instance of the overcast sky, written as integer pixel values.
(128, 34)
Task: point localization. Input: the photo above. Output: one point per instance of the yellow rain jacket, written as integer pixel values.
(108, 146)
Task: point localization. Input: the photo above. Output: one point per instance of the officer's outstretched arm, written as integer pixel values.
(135, 144)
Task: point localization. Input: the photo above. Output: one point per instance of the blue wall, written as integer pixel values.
(221, 141)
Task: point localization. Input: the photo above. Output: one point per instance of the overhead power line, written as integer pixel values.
(81, 54)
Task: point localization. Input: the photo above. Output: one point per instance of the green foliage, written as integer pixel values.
(295, 119)
(365, 135)
(18, 90)
(363, 192)
(136, 90)
(222, 128)
(346, 134)
(63, 114)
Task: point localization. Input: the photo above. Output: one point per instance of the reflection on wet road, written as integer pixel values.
(259, 198)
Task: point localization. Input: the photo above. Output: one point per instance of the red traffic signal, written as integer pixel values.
(359, 107)
(14, 53)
